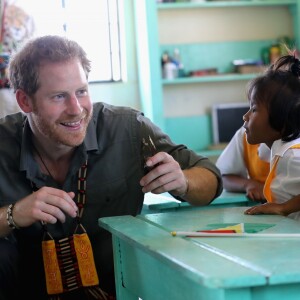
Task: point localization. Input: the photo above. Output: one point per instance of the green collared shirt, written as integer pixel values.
(113, 148)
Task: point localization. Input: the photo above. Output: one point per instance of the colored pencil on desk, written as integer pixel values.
(215, 234)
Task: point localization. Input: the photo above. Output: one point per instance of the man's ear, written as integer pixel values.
(24, 101)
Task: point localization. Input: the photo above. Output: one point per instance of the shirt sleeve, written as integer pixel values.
(231, 161)
(286, 182)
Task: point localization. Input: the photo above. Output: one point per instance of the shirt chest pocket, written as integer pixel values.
(106, 193)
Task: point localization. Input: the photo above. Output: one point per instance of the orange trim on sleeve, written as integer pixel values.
(267, 187)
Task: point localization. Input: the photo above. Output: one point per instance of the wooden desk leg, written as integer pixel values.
(121, 291)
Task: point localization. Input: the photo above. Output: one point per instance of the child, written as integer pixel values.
(244, 167)
(274, 119)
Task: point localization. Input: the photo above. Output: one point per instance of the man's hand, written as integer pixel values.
(167, 176)
(47, 204)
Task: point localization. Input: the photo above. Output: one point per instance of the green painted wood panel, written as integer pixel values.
(165, 202)
(148, 61)
(152, 264)
(194, 132)
(266, 255)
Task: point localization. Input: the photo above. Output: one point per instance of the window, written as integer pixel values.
(94, 24)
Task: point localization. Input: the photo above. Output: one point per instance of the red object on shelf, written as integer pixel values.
(204, 72)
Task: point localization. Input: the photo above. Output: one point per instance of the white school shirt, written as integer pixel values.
(231, 160)
(286, 183)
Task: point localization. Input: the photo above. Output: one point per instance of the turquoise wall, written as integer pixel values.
(193, 131)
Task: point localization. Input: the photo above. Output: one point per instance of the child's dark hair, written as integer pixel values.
(279, 90)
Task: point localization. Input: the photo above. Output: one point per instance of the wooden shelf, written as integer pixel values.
(212, 78)
(215, 4)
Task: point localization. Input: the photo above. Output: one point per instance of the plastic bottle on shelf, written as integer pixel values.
(274, 53)
(178, 62)
(170, 70)
(165, 58)
(169, 67)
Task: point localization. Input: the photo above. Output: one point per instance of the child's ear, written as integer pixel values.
(24, 101)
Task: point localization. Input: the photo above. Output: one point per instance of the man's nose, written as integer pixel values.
(74, 106)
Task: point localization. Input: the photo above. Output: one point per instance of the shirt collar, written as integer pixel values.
(90, 139)
(279, 147)
(27, 162)
(26, 148)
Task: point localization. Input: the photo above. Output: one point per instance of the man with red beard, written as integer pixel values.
(65, 162)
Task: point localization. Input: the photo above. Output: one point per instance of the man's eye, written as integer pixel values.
(59, 96)
(82, 92)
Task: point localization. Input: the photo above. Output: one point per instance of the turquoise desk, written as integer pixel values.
(153, 265)
(165, 202)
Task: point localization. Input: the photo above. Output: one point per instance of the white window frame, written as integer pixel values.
(60, 22)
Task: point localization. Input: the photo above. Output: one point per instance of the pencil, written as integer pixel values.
(211, 234)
